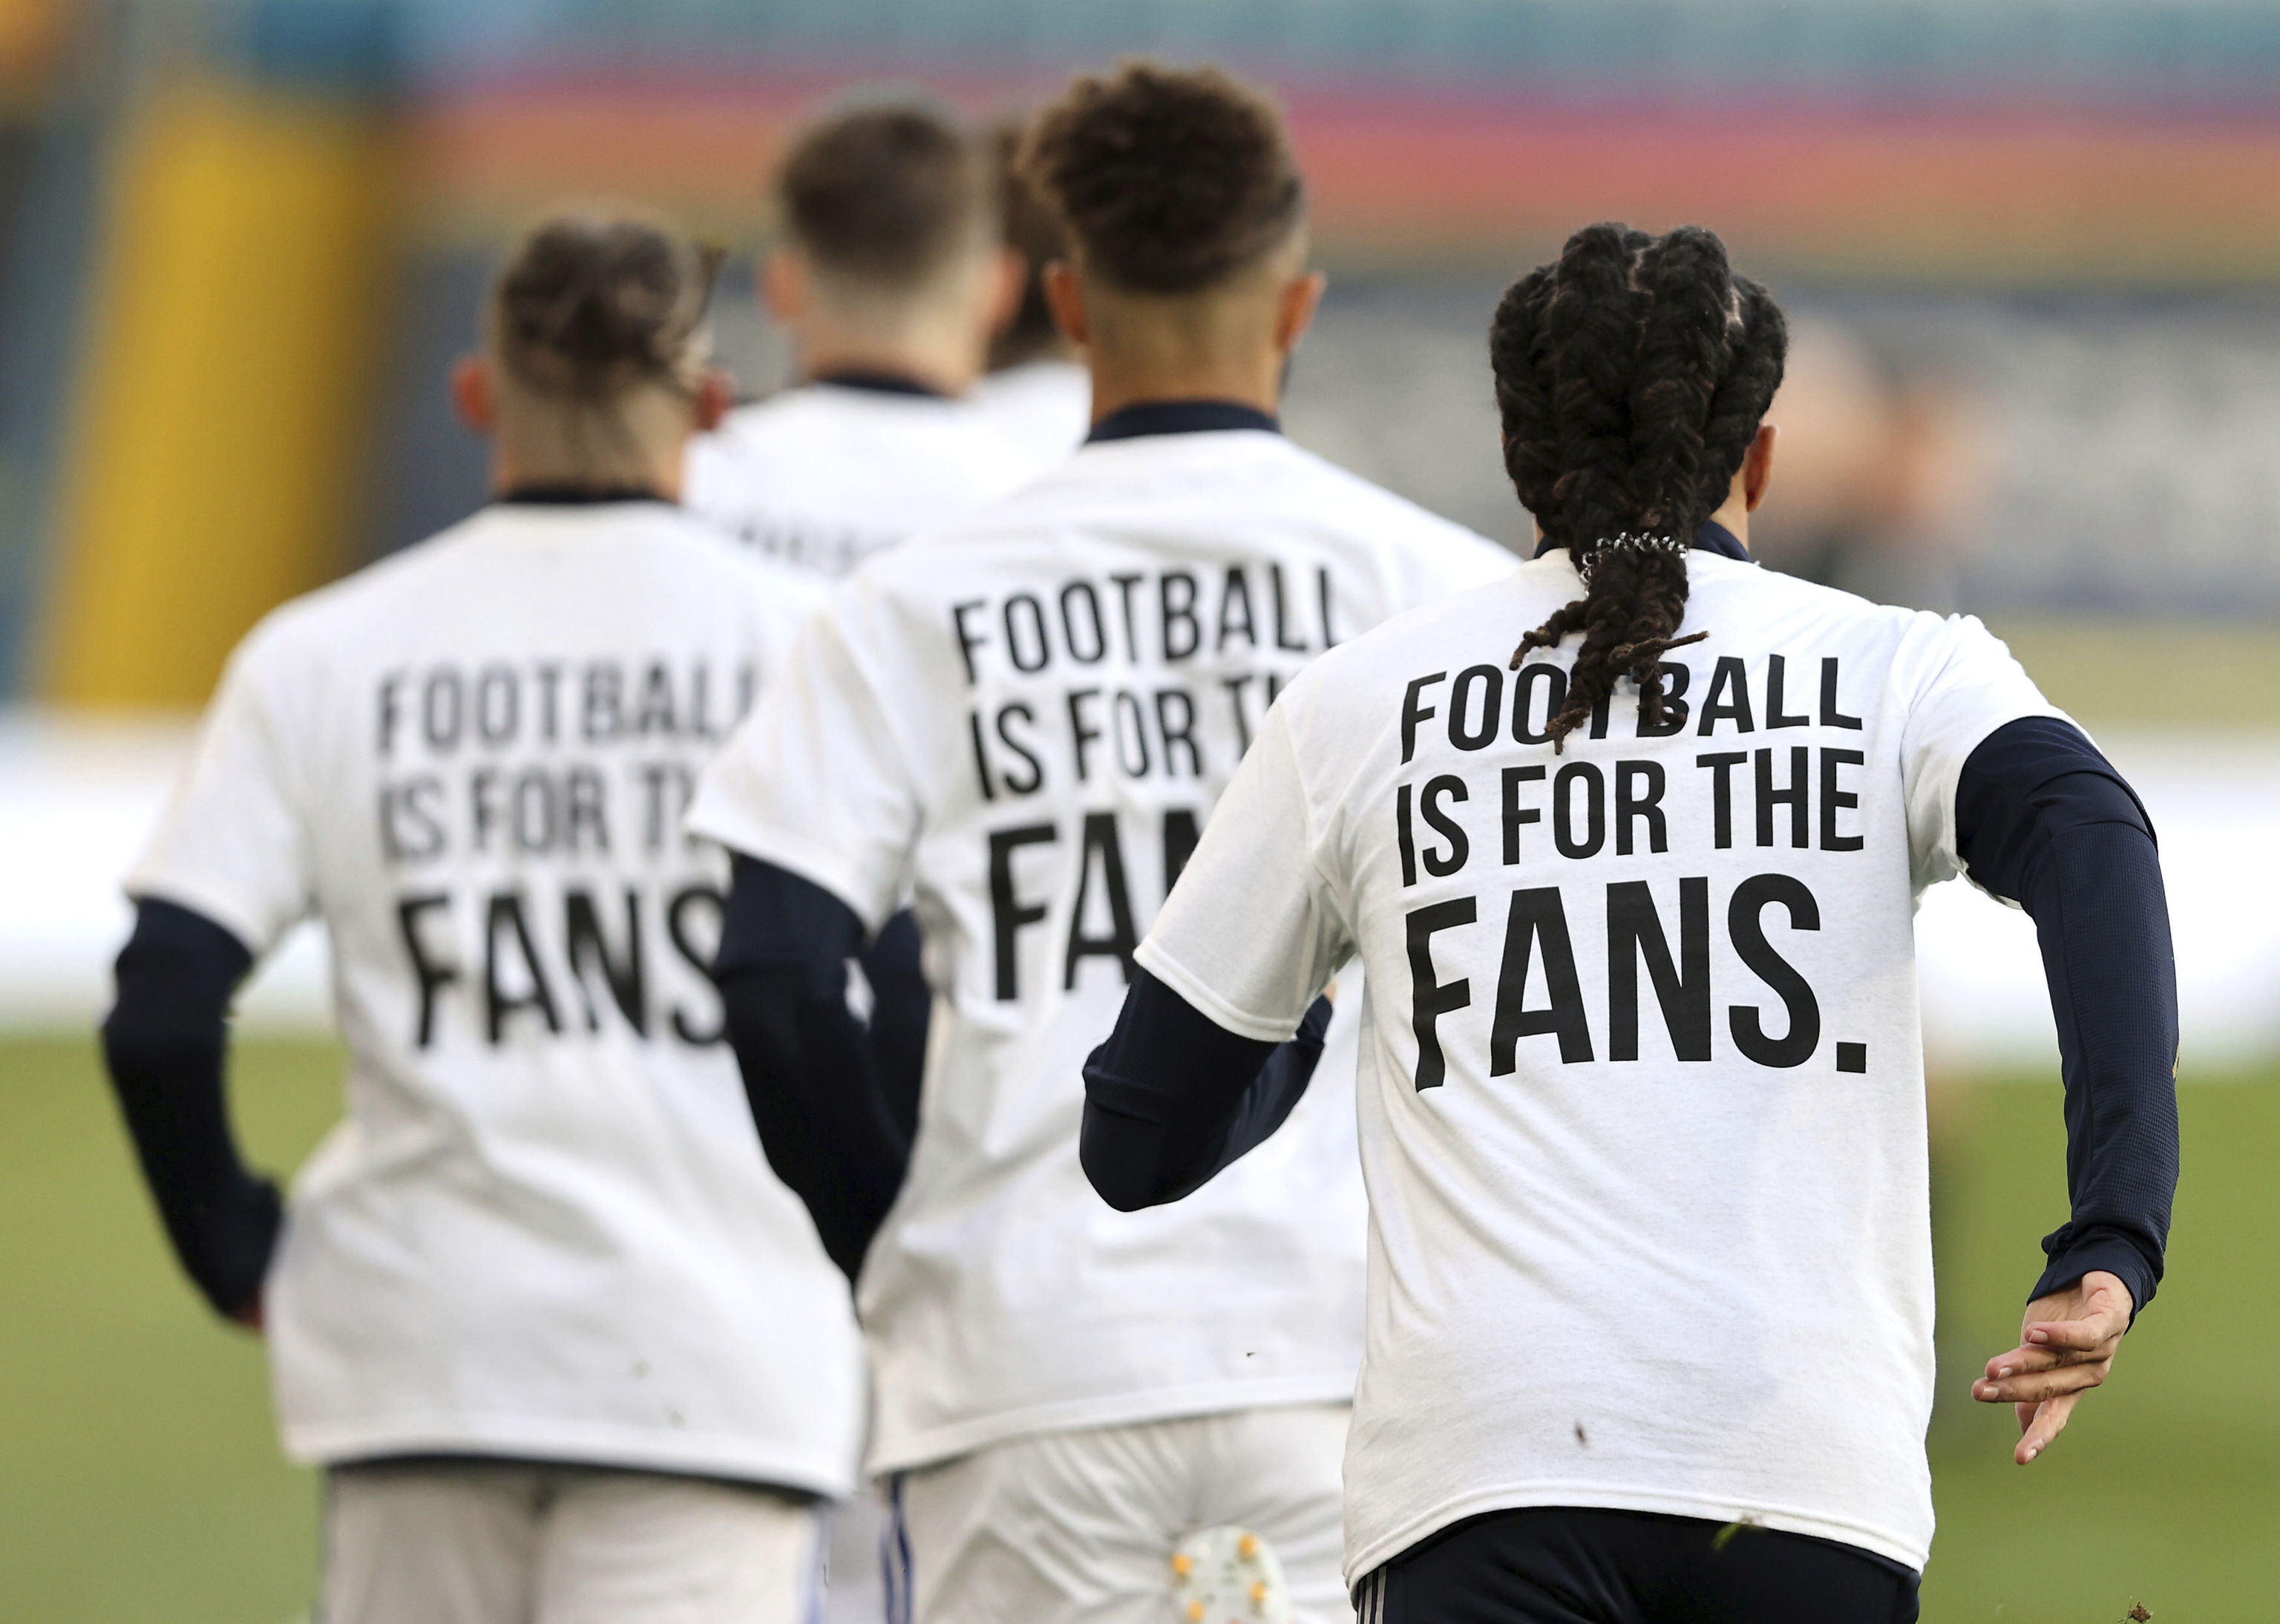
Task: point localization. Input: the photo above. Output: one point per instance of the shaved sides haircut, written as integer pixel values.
(888, 195)
(1170, 180)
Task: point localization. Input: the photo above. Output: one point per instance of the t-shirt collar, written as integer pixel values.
(1180, 417)
(549, 493)
(879, 382)
(1712, 537)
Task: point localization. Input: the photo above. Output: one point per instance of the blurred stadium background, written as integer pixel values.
(2034, 254)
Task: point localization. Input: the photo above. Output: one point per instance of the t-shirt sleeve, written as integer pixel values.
(1970, 686)
(1251, 933)
(233, 842)
(813, 782)
(785, 600)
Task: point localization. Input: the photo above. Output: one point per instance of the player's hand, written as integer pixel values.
(2066, 1347)
(251, 1316)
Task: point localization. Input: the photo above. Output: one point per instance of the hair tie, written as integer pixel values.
(1625, 541)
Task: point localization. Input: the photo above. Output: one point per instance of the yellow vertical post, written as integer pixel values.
(229, 390)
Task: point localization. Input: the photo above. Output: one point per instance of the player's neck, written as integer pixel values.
(660, 473)
(1255, 381)
(940, 356)
(1733, 518)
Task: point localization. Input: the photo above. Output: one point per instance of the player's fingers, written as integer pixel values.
(2034, 1387)
(2089, 1333)
(2049, 1420)
(2023, 1360)
(2018, 1360)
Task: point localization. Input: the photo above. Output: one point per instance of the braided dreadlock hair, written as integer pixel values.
(1631, 377)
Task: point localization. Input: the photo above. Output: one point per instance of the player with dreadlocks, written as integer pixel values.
(1649, 1305)
(1649, 438)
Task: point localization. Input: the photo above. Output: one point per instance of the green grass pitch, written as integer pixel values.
(140, 1479)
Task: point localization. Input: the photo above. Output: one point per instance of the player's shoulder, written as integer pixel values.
(712, 565)
(322, 617)
(823, 409)
(761, 432)
(1377, 513)
(657, 550)
(828, 430)
(1778, 603)
(1476, 624)
(1002, 528)
(760, 429)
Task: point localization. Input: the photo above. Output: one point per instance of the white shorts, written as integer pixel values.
(512, 1542)
(860, 1543)
(1082, 1526)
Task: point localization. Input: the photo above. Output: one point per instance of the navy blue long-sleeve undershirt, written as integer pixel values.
(166, 1043)
(835, 1109)
(2042, 820)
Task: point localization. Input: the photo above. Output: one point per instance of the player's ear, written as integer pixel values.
(1757, 466)
(1295, 313)
(716, 392)
(1064, 298)
(473, 397)
(785, 285)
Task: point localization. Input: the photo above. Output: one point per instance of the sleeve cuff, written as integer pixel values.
(789, 851)
(209, 904)
(2111, 1252)
(1262, 1028)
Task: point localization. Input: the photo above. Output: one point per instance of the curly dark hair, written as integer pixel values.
(1631, 377)
(1169, 180)
(591, 303)
(887, 194)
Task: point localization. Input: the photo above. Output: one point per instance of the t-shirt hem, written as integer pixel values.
(1152, 959)
(641, 1449)
(910, 1451)
(803, 858)
(1373, 1554)
(157, 886)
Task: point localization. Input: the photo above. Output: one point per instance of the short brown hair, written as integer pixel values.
(887, 194)
(1033, 230)
(1170, 180)
(593, 301)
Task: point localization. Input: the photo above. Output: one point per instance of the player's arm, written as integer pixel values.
(2043, 819)
(167, 1045)
(819, 1095)
(901, 1006)
(1172, 1096)
(1222, 1026)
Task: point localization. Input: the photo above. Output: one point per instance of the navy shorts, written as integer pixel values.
(1563, 1565)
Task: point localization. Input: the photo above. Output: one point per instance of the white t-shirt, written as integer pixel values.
(545, 1229)
(1642, 1093)
(824, 475)
(1021, 722)
(1043, 407)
